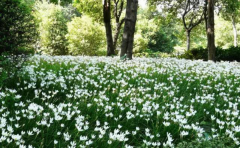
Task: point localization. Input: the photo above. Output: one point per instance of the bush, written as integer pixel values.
(53, 27)
(230, 54)
(195, 54)
(17, 26)
(162, 41)
(85, 37)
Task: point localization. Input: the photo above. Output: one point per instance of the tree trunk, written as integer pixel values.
(210, 31)
(188, 39)
(234, 31)
(129, 28)
(205, 14)
(108, 27)
(117, 32)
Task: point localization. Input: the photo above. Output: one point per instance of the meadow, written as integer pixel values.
(66, 101)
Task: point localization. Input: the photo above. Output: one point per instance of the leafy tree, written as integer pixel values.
(191, 13)
(85, 36)
(17, 26)
(162, 40)
(230, 11)
(92, 8)
(223, 33)
(146, 27)
(53, 27)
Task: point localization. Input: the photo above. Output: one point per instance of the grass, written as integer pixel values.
(104, 102)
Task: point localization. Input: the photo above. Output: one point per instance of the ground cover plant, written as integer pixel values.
(67, 101)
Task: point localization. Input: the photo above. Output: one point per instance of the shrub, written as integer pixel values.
(230, 54)
(162, 41)
(53, 27)
(85, 37)
(17, 26)
(196, 53)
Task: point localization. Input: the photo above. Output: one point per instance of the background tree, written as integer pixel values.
(191, 13)
(92, 8)
(85, 36)
(230, 12)
(17, 26)
(129, 28)
(52, 21)
(194, 11)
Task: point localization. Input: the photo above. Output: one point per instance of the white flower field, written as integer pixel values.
(68, 102)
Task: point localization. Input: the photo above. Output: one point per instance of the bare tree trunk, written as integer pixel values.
(188, 39)
(205, 14)
(117, 32)
(129, 28)
(108, 27)
(234, 32)
(210, 31)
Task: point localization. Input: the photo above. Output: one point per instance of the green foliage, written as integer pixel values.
(85, 36)
(145, 28)
(224, 33)
(92, 8)
(17, 26)
(195, 53)
(162, 41)
(153, 34)
(213, 143)
(53, 27)
(61, 2)
(230, 9)
(230, 54)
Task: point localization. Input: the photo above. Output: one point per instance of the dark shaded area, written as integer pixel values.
(17, 27)
(230, 54)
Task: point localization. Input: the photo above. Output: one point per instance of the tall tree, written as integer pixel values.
(108, 27)
(210, 31)
(129, 28)
(118, 8)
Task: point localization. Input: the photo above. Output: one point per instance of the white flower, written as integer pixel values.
(184, 133)
(66, 136)
(55, 142)
(16, 137)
